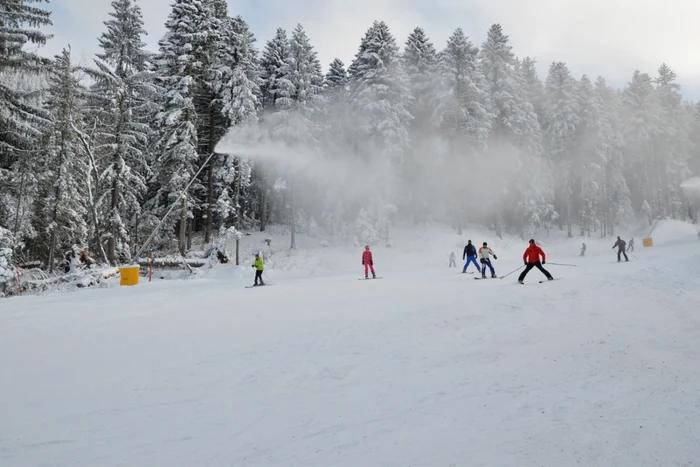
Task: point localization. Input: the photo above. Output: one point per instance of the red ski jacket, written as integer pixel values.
(367, 257)
(532, 254)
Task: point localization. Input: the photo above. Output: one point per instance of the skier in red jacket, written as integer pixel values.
(368, 263)
(531, 257)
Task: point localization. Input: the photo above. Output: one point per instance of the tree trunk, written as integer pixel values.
(210, 202)
(19, 203)
(263, 204)
(182, 238)
(112, 241)
(292, 203)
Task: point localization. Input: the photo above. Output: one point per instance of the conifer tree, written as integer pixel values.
(180, 67)
(121, 107)
(561, 119)
(61, 209)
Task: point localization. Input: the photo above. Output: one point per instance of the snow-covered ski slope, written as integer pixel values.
(426, 367)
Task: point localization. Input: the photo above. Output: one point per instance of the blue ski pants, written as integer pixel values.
(487, 262)
(471, 259)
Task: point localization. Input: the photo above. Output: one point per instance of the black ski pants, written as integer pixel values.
(258, 275)
(529, 268)
(620, 252)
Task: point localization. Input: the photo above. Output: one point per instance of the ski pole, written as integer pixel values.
(513, 272)
(559, 264)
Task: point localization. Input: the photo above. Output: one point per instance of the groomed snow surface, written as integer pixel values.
(425, 367)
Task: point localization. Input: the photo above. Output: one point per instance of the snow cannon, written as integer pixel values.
(129, 275)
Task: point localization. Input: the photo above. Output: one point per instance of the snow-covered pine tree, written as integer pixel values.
(240, 102)
(420, 63)
(532, 85)
(462, 114)
(561, 119)
(642, 120)
(180, 67)
(464, 105)
(277, 90)
(694, 116)
(380, 92)
(19, 26)
(307, 82)
(616, 203)
(277, 87)
(61, 209)
(515, 125)
(208, 102)
(21, 120)
(337, 76)
(121, 106)
(674, 146)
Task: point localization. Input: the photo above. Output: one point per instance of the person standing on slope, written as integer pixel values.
(485, 254)
(453, 260)
(470, 255)
(259, 268)
(620, 245)
(631, 245)
(583, 249)
(368, 263)
(531, 258)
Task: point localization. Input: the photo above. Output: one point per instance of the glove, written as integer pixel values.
(544, 262)
(495, 257)
(525, 262)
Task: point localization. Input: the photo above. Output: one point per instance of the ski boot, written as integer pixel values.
(374, 276)
(493, 276)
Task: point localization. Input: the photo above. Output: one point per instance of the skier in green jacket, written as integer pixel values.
(259, 268)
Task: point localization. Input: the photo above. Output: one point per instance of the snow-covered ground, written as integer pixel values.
(425, 367)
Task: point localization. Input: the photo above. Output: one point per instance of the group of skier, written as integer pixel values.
(534, 257)
(531, 258)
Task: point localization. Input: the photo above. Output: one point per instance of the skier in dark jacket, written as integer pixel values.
(470, 255)
(620, 245)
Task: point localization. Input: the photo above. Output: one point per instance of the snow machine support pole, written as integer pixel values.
(155, 231)
(559, 264)
(512, 272)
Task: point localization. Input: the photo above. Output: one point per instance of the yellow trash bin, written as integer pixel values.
(647, 242)
(129, 275)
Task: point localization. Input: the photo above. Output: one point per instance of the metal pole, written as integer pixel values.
(512, 272)
(184, 194)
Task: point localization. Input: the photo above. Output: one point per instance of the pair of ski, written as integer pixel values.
(255, 286)
(369, 278)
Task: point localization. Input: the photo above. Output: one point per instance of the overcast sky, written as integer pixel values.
(611, 38)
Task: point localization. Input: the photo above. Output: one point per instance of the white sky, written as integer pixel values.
(597, 37)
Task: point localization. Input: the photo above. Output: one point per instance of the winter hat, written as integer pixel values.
(469, 241)
(532, 240)
(485, 243)
(366, 247)
(256, 255)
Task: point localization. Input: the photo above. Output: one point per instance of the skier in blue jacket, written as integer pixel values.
(470, 255)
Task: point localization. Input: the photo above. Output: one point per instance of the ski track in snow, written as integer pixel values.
(421, 368)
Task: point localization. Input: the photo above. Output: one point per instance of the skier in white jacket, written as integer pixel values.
(485, 254)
